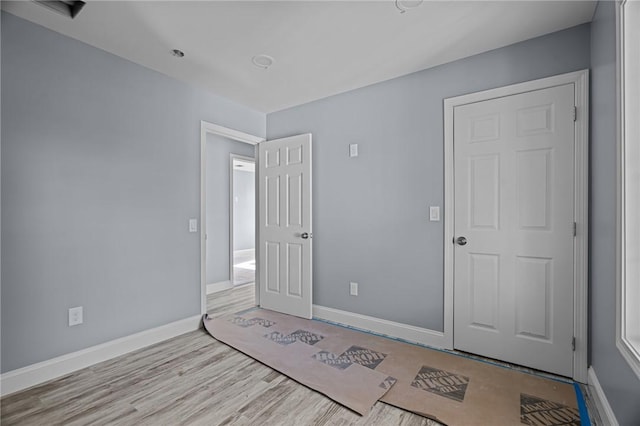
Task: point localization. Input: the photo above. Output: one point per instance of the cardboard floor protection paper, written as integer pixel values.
(357, 369)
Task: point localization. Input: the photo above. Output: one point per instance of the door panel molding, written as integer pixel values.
(283, 172)
(580, 81)
(236, 135)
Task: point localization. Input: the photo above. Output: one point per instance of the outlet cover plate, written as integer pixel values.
(75, 316)
(353, 289)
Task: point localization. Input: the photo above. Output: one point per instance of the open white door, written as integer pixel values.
(514, 228)
(285, 232)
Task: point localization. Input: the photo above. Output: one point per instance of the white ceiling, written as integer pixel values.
(320, 48)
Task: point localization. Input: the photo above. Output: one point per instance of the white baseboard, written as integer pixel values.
(31, 375)
(397, 330)
(602, 404)
(219, 286)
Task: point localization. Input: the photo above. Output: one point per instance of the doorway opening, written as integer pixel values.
(217, 144)
(243, 220)
(285, 233)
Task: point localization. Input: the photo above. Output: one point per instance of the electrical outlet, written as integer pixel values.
(75, 316)
(353, 289)
(353, 150)
(193, 225)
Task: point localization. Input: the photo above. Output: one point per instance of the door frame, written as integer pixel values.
(581, 203)
(232, 208)
(236, 135)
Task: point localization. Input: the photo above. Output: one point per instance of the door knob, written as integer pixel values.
(461, 241)
(305, 235)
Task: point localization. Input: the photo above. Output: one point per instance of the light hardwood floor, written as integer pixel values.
(241, 275)
(191, 379)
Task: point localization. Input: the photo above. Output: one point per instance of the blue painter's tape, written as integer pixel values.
(582, 407)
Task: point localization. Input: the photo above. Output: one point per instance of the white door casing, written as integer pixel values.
(580, 80)
(207, 128)
(514, 186)
(285, 229)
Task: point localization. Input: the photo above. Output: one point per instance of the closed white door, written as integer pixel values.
(285, 231)
(514, 228)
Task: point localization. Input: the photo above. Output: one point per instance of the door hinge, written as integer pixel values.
(573, 344)
(575, 229)
(575, 113)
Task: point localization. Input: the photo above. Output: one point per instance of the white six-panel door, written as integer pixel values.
(514, 192)
(285, 231)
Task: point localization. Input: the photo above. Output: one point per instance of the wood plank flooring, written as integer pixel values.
(233, 300)
(191, 379)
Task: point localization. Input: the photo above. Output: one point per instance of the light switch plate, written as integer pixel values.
(193, 225)
(434, 213)
(353, 150)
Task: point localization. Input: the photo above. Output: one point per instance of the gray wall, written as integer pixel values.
(218, 187)
(100, 174)
(0, 183)
(371, 212)
(619, 382)
(244, 210)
